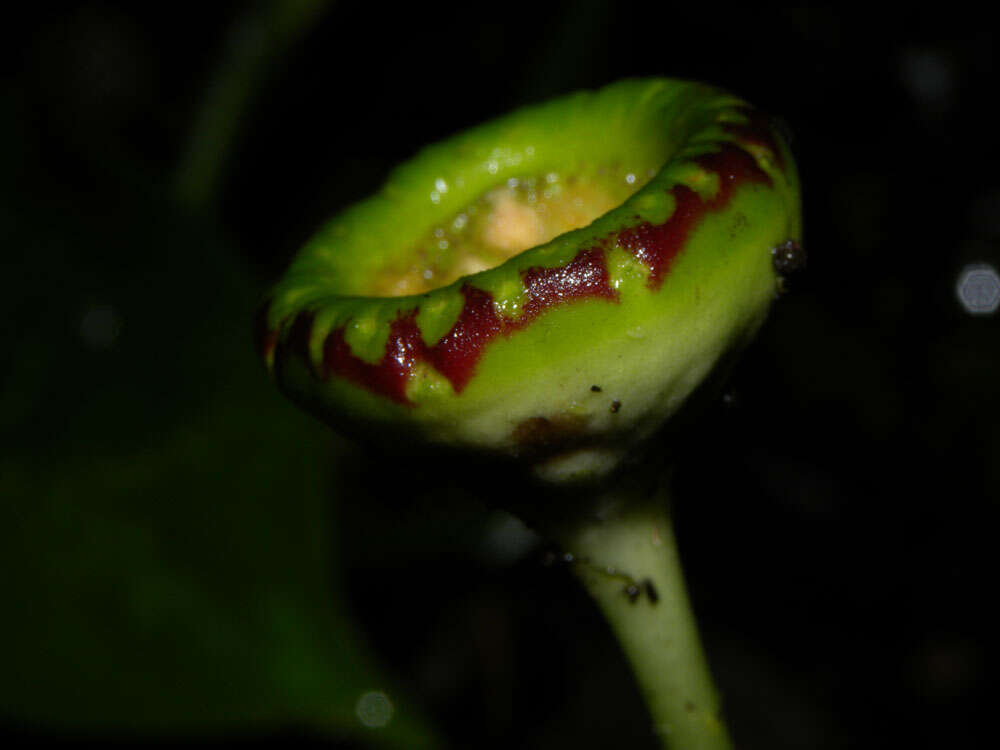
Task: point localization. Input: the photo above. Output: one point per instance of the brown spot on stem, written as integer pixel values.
(558, 431)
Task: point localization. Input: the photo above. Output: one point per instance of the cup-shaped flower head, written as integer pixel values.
(551, 285)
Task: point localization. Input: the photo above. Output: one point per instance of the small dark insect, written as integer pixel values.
(595, 388)
(615, 406)
(651, 591)
(788, 257)
(632, 591)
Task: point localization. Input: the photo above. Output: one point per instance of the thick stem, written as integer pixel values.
(627, 559)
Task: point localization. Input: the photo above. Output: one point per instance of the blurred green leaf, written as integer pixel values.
(166, 520)
(254, 44)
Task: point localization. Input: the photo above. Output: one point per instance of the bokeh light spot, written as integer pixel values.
(978, 289)
(100, 327)
(374, 709)
(929, 77)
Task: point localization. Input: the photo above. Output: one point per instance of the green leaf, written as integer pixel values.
(167, 523)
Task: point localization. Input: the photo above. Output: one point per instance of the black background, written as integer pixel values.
(837, 511)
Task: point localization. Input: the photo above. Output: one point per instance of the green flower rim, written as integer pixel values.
(573, 350)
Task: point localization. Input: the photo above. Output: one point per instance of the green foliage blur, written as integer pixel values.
(166, 522)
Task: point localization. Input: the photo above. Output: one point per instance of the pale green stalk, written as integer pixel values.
(627, 559)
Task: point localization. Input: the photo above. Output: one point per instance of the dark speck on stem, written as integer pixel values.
(615, 406)
(651, 591)
(632, 591)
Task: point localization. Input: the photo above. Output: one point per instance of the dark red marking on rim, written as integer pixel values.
(458, 352)
(389, 375)
(454, 356)
(758, 130)
(657, 245)
(584, 276)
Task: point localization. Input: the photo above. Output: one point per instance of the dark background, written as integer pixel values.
(837, 510)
